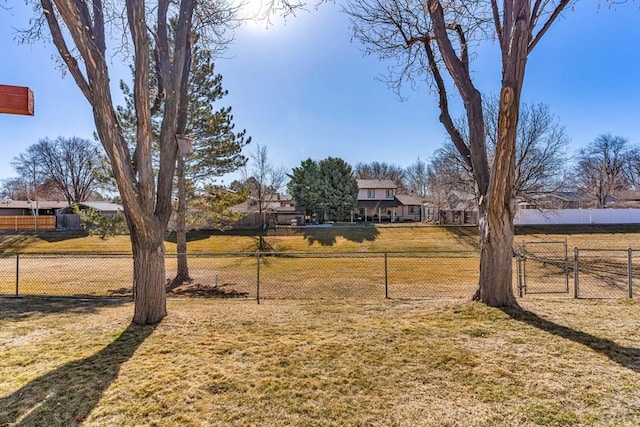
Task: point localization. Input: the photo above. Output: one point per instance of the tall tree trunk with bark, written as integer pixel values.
(182, 270)
(496, 200)
(398, 28)
(149, 276)
(146, 196)
(496, 231)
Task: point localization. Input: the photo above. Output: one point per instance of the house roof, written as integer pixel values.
(570, 196)
(29, 204)
(627, 195)
(409, 199)
(376, 183)
(103, 206)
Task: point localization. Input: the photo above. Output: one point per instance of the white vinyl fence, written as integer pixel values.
(576, 216)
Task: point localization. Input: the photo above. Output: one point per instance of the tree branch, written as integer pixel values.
(445, 116)
(556, 12)
(138, 28)
(61, 45)
(496, 20)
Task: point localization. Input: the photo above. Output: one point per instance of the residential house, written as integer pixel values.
(558, 200)
(36, 215)
(107, 209)
(378, 200)
(456, 207)
(45, 214)
(281, 209)
(626, 199)
(10, 207)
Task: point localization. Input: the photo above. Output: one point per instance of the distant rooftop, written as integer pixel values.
(376, 183)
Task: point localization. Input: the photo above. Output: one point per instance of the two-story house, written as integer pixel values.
(378, 201)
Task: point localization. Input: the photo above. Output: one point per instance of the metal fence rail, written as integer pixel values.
(594, 273)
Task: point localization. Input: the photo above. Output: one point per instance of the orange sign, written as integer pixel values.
(16, 100)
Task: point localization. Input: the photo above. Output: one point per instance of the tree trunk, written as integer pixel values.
(149, 277)
(182, 272)
(497, 207)
(496, 259)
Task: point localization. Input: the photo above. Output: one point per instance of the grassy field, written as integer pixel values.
(324, 363)
(325, 274)
(380, 238)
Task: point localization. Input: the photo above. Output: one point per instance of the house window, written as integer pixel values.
(371, 194)
(412, 209)
(389, 194)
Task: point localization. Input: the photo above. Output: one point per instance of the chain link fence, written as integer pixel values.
(78, 275)
(547, 267)
(543, 267)
(604, 273)
(265, 275)
(539, 268)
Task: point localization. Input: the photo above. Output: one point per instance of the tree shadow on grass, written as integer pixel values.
(59, 236)
(198, 290)
(13, 243)
(328, 236)
(627, 357)
(192, 236)
(23, 307)
(67, 395)
(467, 235)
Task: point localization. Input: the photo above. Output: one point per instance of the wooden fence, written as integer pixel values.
(28, 223)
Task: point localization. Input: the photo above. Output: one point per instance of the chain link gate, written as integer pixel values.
(543, 267)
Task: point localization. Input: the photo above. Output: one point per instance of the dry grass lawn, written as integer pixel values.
(333, 363)
(345, 239)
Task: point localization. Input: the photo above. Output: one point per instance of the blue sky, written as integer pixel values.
(304, 89)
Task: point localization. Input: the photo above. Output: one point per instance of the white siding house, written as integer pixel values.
(378, 200)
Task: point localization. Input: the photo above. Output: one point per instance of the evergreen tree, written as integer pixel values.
(327, 188)
(217, 145)
(305, 186)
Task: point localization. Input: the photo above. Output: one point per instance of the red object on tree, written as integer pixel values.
(16, 100)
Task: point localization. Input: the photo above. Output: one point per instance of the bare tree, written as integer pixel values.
(78, 32)
(602, 167)
(448, 174)
(66, 163)
(417, 177)
(540, 156)
(381, 170)
(26, 165)
(541, 144)
(262, 178)
(15, 189)
(430, 38)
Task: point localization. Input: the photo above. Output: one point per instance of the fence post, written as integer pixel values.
(17, 274)
(524, 267)
(386, 278)
(134, 288)
(258, 280)
(630, 271)
(519, 272)
(566, 264)
(576, 266)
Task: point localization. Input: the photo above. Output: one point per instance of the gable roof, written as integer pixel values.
(376, 183)
(409, 199)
